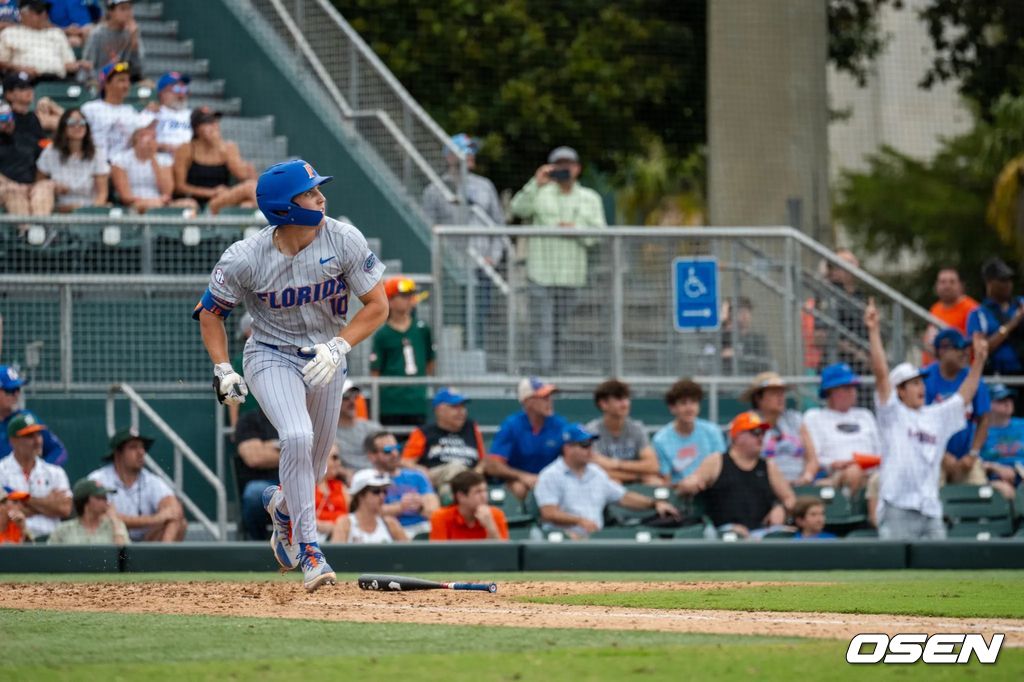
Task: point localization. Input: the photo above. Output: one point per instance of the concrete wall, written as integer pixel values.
(767, 114)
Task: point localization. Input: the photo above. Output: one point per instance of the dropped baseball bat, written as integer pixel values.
(398, 583)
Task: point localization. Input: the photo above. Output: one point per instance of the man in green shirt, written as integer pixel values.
(96, 521)
(556, 267)
(404, 347)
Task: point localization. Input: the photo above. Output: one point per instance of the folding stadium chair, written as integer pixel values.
(841, 512)
(694, 532)
(976, 510)
(516, 513)
(635, 533)
(983, 529)
(862, 534)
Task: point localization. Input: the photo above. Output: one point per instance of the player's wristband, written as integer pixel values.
(344, 346)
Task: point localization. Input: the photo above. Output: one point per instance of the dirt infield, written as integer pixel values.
(346, 602)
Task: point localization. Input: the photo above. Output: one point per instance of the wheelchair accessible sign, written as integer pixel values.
(695, 294)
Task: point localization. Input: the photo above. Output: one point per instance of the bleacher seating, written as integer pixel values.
(976, 510)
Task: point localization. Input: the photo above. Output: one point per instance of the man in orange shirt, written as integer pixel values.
(470, 518)
(329, 497)
(12, 516)
(953, 307)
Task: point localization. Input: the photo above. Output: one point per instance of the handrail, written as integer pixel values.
(78, 219)
(348, 112)
(218, 529)
(695, 233)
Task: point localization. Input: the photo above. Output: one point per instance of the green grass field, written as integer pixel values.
(42, 645)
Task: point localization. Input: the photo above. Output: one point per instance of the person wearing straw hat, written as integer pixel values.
(783, 441)
(914, 436)
(743, 493)
(838, 431)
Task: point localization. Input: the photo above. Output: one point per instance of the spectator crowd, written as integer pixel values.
(120, 149)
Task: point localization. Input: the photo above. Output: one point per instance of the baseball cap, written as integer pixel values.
(834, 376)
(172, 78)
(563, 154)
(11, 494)
(349, 385)
(24, 424)
(86, 488)
(446, 396)
(902, 373)
(747, 421)
(125, 435)
(10, 379)
(17, 80)
(203, 115)
(996, 268)
(115, 3)
(575, 433)
(37, 5)
(950, 336)
(113, 68)
(368, 478)
(465, 143)
(393, 286)
(533, 387)
(1001, 391)
(762, 381)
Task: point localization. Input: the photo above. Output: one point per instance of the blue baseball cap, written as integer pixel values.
(172, 78)
(10, 379)
(1001, 391)
(446, 396)
(834, 376)
(952, 336)
(465, 143)
(575, 433)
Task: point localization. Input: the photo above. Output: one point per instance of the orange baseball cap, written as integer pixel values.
(394, 286)
(747, 421)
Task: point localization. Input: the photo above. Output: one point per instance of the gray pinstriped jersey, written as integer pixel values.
(302, 300)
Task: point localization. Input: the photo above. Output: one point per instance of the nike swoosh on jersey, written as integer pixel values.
(325, 260)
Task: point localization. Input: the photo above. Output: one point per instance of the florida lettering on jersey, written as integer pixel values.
(299, 300)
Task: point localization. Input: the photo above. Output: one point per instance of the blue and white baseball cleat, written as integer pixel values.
(315, 569)
(285, 550)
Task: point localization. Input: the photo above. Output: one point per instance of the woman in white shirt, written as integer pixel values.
(365, 524)
(142, 177)
(79, 171)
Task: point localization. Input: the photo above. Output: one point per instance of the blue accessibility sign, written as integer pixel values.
(695, 294)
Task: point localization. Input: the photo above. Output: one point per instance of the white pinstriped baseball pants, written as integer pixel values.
(306, 420)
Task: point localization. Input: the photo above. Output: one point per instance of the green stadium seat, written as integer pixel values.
(780, 535)
(862, 533)
(516, 513)
(636, 533)
(840, 511)
(520, 533)
(1018, 505)
(969, 502)
(983, 529)
(695, 532)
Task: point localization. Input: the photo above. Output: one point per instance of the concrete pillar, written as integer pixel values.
(768, 113)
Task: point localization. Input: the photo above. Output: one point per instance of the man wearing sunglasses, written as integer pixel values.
(174, 116)
(11, 383)
(111, 119)
(411, 497)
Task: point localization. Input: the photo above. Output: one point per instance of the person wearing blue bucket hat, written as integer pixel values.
(835, 433)
(942, 378)
(1003, 452)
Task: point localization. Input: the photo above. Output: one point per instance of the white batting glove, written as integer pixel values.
(320, 370)
(229, 385)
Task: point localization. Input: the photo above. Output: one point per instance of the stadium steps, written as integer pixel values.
(254, 135)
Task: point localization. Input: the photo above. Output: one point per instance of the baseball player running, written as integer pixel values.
(294, 277)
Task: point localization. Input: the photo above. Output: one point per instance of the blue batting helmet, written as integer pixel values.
(280, 184)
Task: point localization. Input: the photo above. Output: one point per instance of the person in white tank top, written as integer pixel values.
(364, 524)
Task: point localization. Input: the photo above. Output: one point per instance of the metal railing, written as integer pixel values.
(782, 314)
(403, 139)
(182, 452)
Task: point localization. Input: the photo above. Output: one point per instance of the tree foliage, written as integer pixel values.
(937, 208)
(602, 76)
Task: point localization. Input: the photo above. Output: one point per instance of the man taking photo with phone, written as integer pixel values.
(556, 267)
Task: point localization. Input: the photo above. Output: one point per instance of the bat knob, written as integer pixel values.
(492, 588)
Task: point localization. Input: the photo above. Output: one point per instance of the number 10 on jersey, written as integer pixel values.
(339, 305)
